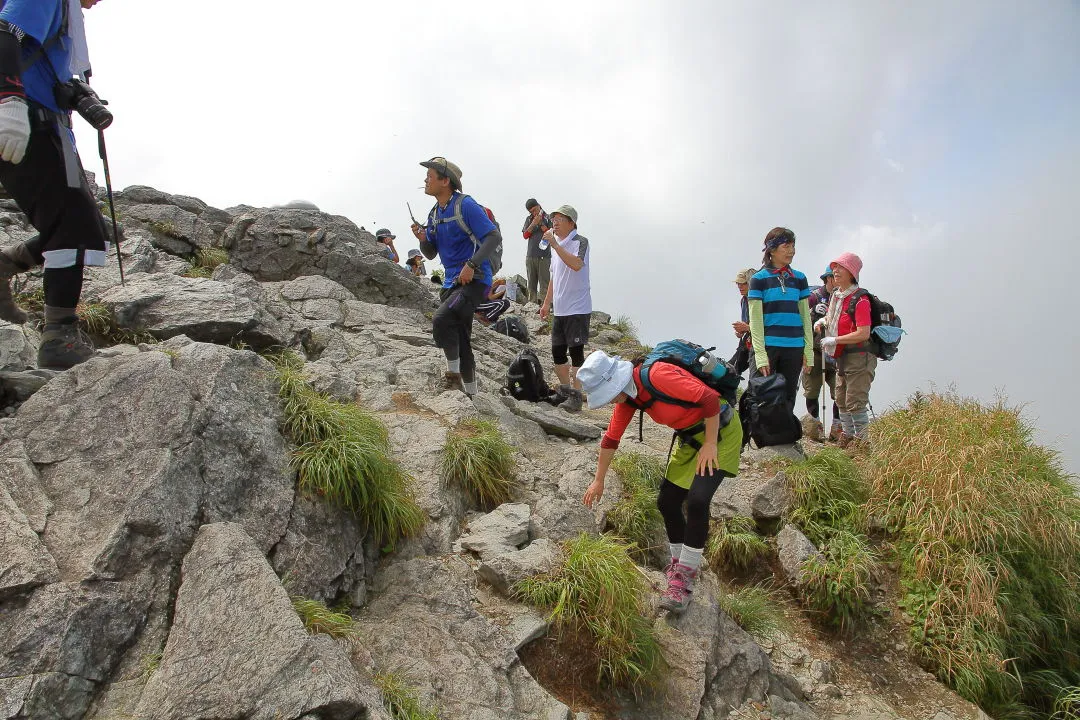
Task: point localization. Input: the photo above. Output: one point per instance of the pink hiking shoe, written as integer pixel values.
(680, 588)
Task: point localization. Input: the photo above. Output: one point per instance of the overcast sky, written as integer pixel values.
(938, 140)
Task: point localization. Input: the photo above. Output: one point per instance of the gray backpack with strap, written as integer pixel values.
(434, 220)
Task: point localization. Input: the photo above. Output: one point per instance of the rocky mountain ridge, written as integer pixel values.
(153, 529)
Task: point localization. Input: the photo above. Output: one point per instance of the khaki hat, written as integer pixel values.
(743, 276)
(566, 211)
(447, 168)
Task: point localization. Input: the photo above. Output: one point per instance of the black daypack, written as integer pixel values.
(512, 326)
(881, 313)
(765, 413)
(434, 221)
(525, 378)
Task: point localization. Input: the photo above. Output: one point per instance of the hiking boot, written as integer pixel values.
(835, 432)
(453, 381)
(63, 345)
(573, 398)
(12, 261)
(680, 588)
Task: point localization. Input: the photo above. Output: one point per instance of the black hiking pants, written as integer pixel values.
(692, 528)
(453, 322)
(71, 226)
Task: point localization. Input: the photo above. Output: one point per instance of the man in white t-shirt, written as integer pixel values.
(571, 294)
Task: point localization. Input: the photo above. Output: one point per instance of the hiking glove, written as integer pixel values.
(828, 346)
(14, 130)
(821, 309)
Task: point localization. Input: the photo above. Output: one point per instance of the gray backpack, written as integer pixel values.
(434, 220)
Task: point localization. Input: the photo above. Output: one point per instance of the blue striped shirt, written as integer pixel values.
(780, 293)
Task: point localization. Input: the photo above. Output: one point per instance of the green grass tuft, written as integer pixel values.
(479, 460)
(838, 581)
(598, 588)
(830, 507)
(205, 260)
(634, 517)
(97, 320)
(758, 609)
(987, 528)
(401, 699)
(1067, 704)
(322, 620)
(734, 544)
(343, 454)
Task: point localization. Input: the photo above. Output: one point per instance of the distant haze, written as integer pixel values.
(937, 140)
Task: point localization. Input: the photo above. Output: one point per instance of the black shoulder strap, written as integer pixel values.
(855, 297)
(39, 53)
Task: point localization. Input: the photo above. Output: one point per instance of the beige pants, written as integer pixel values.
(854, 374)
(539, 274)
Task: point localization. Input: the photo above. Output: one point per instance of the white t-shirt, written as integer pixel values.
(571, 293)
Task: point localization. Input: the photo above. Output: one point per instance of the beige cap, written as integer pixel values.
(743, 276)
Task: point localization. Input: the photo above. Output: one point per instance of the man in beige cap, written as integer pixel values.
(742, 281)
(571, 294)
(461, 234)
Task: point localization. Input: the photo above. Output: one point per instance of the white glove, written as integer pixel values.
(14, 130)
(828, 346)
(820, 325)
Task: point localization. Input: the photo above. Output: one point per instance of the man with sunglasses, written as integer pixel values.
(463, 237)
(42, 46)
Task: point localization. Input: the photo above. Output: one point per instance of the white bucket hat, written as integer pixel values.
(603, 376)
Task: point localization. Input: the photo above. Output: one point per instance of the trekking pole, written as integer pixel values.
(112, 209)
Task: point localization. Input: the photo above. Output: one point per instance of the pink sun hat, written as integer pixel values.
(850, 262)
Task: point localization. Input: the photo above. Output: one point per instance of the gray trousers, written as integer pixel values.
(539, 275)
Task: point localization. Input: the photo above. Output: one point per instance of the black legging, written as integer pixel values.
(452, 325)
(691, 529)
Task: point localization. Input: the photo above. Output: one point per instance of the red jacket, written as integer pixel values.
(674, 382)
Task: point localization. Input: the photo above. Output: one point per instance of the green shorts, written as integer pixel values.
(682, 466)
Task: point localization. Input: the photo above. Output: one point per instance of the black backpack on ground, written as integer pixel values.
(525, 378)
(881, 313)
(512, 326)
(765, 413)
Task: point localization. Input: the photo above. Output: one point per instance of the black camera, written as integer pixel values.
(80, 97)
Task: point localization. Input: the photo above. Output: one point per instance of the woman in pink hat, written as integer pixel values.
(847, 330)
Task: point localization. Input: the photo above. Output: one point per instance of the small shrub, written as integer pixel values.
(166, 228)
(439, 274)
(626, 326)
(734, 544)
(837, 583)
(97, 320)
(598, 588)
(829, 493)
(757, 609)
(205, 260)
(401, 699)
(344, 455)
(320, 619)
(634, 517)
(987, 528)
(478, 460)
(150, 663)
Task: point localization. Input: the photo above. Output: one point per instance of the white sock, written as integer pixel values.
(691, 557)
(470, 387)
(453, 365)
(676, 550)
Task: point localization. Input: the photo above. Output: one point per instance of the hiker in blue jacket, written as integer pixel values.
(42, 47)
(465, 260)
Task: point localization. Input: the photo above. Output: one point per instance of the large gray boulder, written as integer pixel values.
(423, 618)
(502, 530)
(177, 224)
(202, 309)
(238, 649)
(793, 549)
(61, 643)
(18, 346)
(282, 244)
(505, 570)
(773, 499)
(25, 563)
(133, 452)
(554, 420)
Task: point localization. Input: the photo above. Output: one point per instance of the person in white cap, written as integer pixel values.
(710, 441)
(571, 294)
